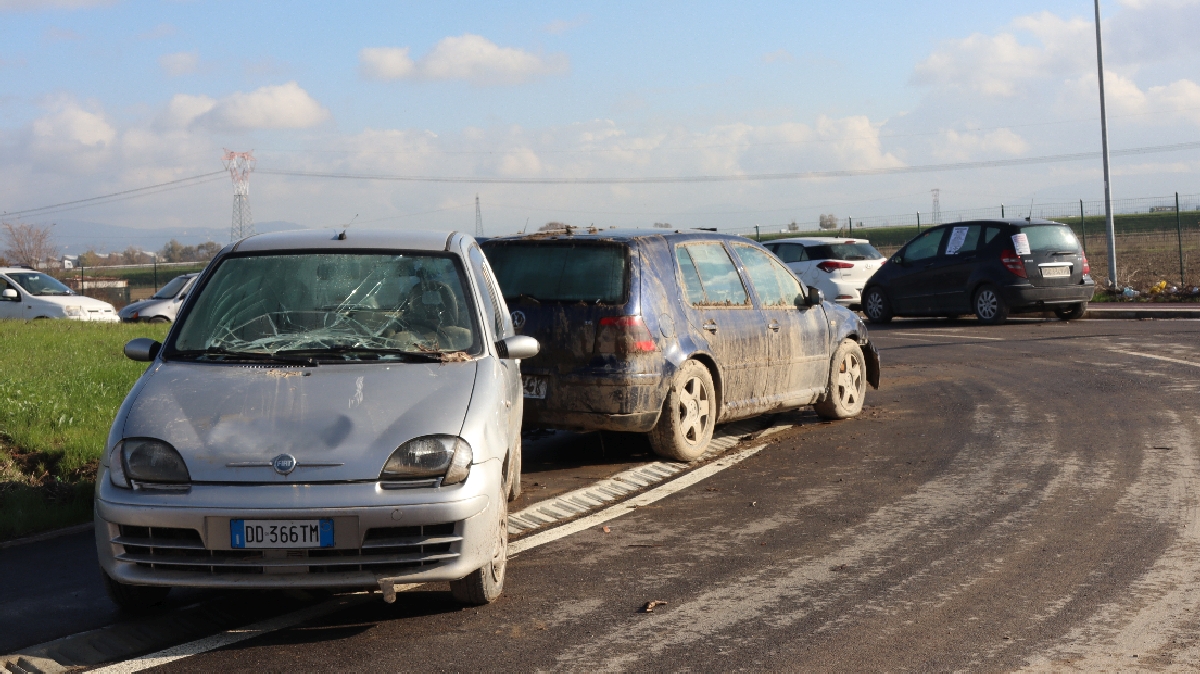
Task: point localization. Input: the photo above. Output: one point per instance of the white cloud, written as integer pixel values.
(386, 63)
(179, 63)
(35, 5)
(964, 146)
(183, 109)
(779, 55)
(286, 106)
(71, 138)
(468, 57)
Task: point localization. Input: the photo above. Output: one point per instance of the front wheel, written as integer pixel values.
(847, 383)
(1070, 312)
(689, 414)
(990, 308)
(484, 585)
(876, 306)
(133, 598)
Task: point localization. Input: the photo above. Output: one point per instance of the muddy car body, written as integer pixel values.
(633, 339)
(328, 411)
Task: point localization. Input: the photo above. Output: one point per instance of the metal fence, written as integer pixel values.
(125, 283)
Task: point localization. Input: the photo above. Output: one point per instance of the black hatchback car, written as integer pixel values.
(671, 333)
(989, 267)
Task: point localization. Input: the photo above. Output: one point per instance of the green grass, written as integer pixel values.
(61, 383)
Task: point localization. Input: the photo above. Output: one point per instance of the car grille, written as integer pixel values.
(383, 550)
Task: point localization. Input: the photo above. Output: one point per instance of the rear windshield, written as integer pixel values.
(843, 251)
(1051, 238)
(560, 272)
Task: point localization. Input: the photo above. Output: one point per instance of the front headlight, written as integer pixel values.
(430, 456)
(145, 460)
(73, 310)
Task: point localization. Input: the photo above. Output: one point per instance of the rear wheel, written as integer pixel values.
(159, 319)
(133, 598)
(876, 306)
(484, 585)
(513, 471)
(1070, 312)
(847, 383)
(689, 413)
(990, 308)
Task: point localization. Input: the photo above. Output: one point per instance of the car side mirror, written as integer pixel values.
(815, 296)
(516, 347)
(897, 259)
(142, 349)
(10, 294)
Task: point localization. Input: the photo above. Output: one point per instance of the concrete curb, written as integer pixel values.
(1145, 311)
(46, 535)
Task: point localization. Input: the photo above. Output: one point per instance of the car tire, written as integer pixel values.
(1070, 312)
(513, 470)
(877, 306)
(990, 308)
(689, 413)
(134, 598)
(485, 584)
(847, 383)
(159, 319)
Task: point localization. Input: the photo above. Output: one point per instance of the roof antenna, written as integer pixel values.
(526, 226)
(342, 236)
(1029, 217)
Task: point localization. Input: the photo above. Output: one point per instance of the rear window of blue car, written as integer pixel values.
(561, 271)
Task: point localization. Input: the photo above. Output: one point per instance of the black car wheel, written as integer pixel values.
(1071, 312)
(876, 306)
(990, 308)
(134, 598)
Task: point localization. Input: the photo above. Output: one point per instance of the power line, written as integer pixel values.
(745, 177)
(114, 195)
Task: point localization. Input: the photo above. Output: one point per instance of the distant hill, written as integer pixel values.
(76, 236)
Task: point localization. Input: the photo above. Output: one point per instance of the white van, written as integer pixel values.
(27, 294)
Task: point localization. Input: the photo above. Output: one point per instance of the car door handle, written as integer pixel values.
(711, 326)
(774, 327)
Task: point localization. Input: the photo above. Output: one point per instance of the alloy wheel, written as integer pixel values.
(987, 304)
(850, 380)
(695, 410)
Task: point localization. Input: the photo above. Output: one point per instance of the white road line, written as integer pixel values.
(935, 334)
(229, 637)
(1150, 355)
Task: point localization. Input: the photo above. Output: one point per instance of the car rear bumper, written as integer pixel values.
(641, 422)
(413, 536)
(627, 402)
(1030, 297)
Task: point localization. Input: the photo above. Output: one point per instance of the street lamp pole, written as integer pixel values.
(1108, 213)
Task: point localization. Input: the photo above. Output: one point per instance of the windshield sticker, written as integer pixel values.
(1021, 243)
(958, 236)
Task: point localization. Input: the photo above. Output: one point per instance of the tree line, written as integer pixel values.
(33, 246)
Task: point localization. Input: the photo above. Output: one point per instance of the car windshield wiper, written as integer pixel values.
(423, 356)
(246, 355)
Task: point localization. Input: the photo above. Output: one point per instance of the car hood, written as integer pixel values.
(140, 306)
(73, 301)
(349, 417)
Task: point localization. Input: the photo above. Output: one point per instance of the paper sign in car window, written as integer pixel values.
(1021, 243)
(958, 236)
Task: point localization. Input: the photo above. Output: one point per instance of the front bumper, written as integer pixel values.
(414, 535)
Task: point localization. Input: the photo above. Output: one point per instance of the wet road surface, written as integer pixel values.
(1012, 497)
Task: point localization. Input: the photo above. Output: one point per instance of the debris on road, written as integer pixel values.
(606, 530)
(649, 607)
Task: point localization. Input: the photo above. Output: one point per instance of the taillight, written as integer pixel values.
(1087, 268)
(1013, 263)
(829, 265)
(624, 334)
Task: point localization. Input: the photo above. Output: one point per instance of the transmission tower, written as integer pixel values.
(937, 206)
(239, 165)
(478, 219)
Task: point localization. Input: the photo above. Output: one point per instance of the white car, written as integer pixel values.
(163, 306)
(27, 294)
(838, 267)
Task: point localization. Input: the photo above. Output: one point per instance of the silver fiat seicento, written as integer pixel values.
(329, 410)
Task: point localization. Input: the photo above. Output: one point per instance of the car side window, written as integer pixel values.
(492, 304)
(791, 252)
(710, 276)
(989, 233)
(5, 285)
(924, 247)
(777, 289)
(963, 239)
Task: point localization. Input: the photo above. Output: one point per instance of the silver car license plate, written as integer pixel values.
(535, 387)
(1055, 272)
(276, 534)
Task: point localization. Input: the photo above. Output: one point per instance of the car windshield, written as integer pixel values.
(1051, 238)
(560, 272)
(40, 285)
(171, 289)
(331, 306)
(842, 251)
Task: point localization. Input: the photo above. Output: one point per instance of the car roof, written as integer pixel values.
(19, 270)
(1015, 222)
(354, 239)
(620, 235)
(819, 240)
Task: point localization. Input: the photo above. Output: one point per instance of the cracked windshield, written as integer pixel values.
(338, 306)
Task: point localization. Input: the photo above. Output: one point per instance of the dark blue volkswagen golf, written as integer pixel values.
(670, 334)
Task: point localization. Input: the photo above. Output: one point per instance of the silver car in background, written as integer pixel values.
(161, 307)
(329, 410)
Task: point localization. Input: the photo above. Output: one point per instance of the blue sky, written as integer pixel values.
(98, 97)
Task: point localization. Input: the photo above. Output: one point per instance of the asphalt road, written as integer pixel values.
(1012, 497)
